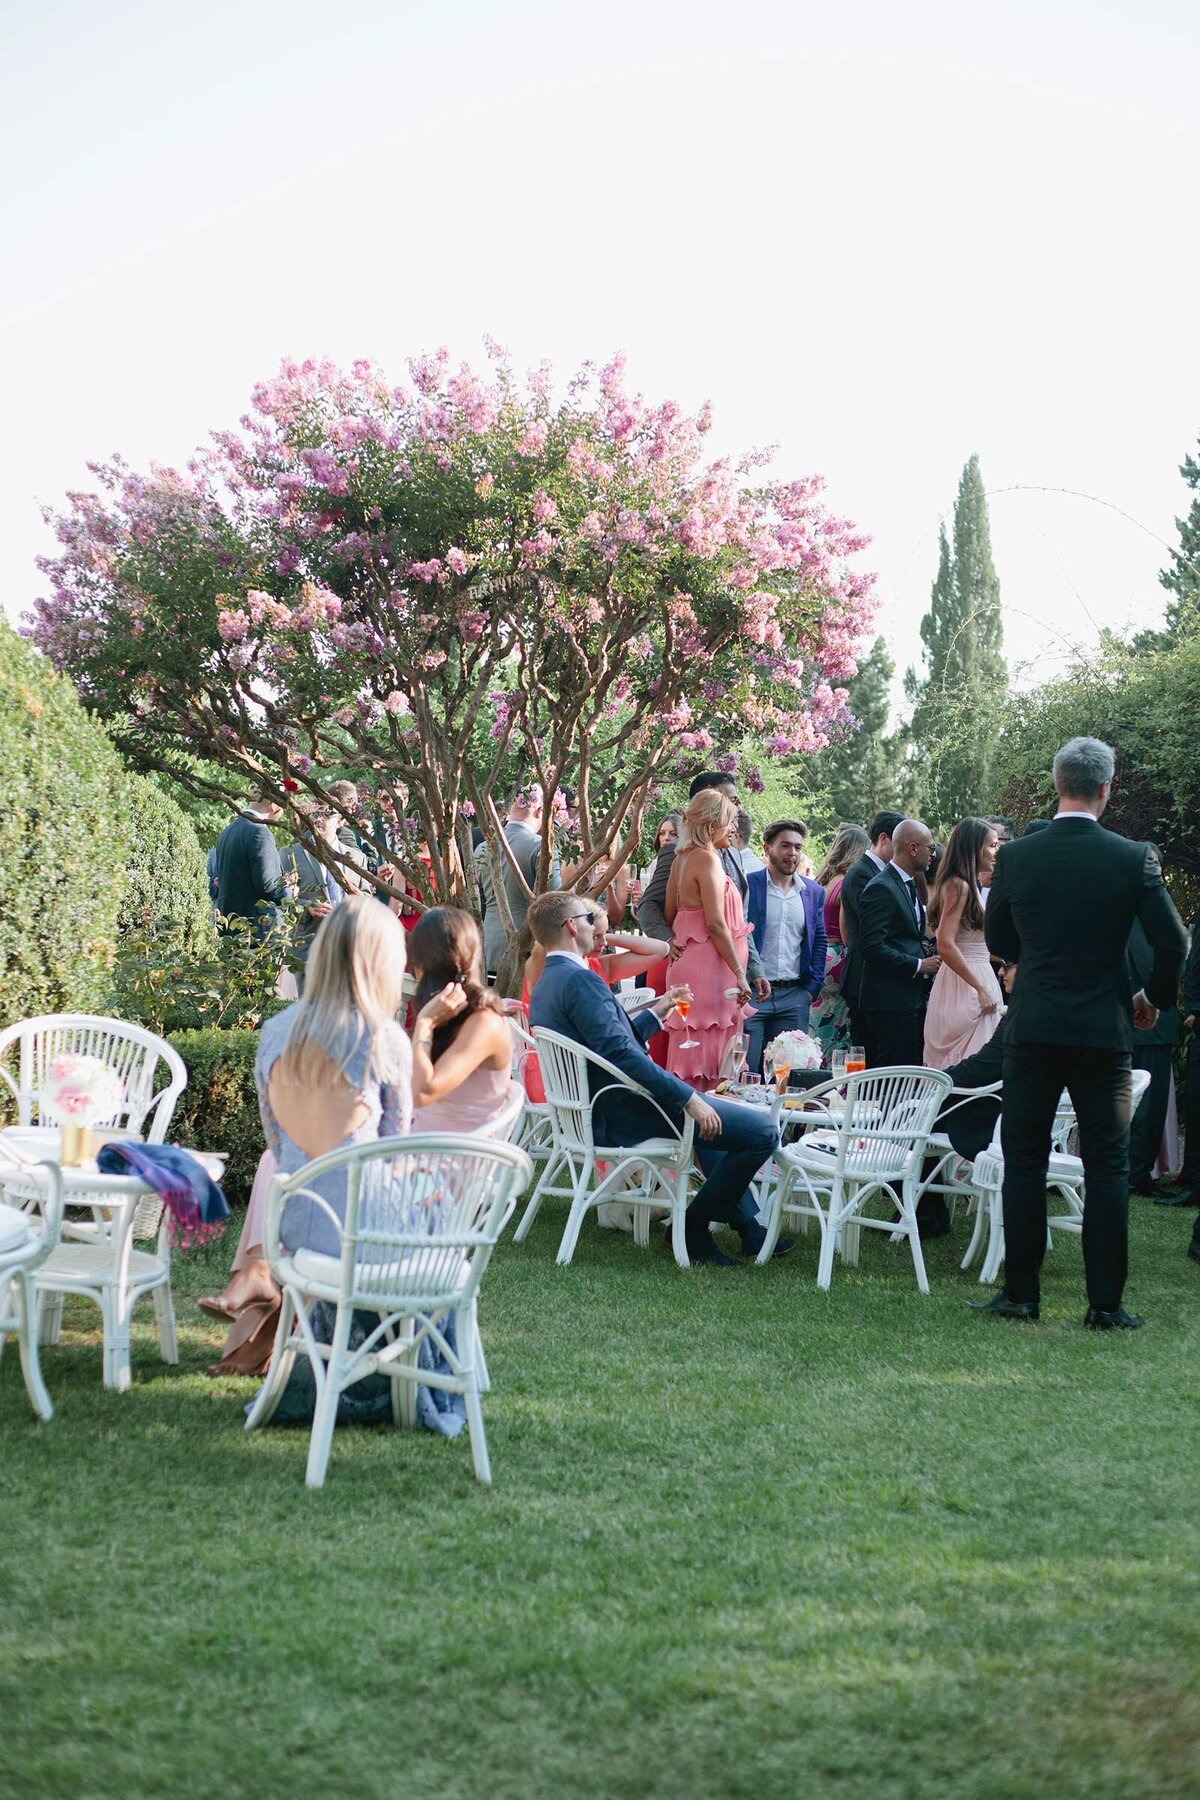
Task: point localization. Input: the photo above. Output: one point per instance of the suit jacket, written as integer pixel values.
(1062, 906)
(653, 920)
(858, 877)
(311, 890)
(1191, 972)
(891, 944)
(579, 1004)
(812, 957)
(248, 870)
(526, 846)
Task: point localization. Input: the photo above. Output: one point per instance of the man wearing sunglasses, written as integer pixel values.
(735, 1140)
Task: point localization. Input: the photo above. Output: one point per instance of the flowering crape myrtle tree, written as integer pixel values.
(432, 585)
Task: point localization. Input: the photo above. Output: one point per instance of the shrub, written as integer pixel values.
(218, 1110)
(64, 842)
(167, 884)
(229, 982)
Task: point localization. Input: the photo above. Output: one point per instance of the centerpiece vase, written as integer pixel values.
(76, 1145)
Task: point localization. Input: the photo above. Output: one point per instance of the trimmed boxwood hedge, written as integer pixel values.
(64, 842)
(218, 1109)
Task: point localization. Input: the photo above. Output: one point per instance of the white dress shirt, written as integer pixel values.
(783, 931)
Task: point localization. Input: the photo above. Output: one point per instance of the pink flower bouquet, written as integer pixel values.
(796, 1049)
(81, 1090)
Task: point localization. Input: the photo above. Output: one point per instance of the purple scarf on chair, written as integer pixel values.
(196, 1204)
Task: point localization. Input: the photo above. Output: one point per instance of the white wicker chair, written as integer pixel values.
(536, 1137)
(26, 1241)
(662, 1164)
(873, 1150)
(422, 1217)
(134, 1053)
(1064, 1177)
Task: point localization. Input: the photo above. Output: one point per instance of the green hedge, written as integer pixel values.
(64, 842)
(166, 880)
(218, 1109)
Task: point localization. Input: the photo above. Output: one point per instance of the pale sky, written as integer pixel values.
(879, 236)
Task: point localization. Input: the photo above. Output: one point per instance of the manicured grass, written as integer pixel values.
(745, 1539)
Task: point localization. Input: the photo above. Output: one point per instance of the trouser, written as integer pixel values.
(786, 1010)
(1191, 1117)
(729, 1162)
(1145, 1134)
(1098, 1083)
(894, 1039)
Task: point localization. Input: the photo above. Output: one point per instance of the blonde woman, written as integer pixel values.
(704, 910)
(334, 1069)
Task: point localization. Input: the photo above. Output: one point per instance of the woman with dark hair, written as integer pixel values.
(461, 1045)
(964, 1006)
(829, 1020)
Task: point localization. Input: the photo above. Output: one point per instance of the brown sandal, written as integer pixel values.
(250, 1340)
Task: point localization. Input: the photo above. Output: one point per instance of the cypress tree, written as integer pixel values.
(864, 774)
(1182, 579)
(957, 704)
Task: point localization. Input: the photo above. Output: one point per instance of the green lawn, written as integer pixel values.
(744, 1539)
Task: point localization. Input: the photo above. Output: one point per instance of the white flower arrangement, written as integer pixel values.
(81, 1090)
(796, 1049)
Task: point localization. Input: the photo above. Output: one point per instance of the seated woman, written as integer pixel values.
(461, 1046)
(334, 1069)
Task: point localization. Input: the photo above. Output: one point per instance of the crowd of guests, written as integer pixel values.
(896, 944)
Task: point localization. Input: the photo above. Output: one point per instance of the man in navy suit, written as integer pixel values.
(735, 1139)
(895, 969)
(787, 912)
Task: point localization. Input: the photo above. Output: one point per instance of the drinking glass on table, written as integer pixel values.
(837, 1064)
(739, 1056)
(856, 1059)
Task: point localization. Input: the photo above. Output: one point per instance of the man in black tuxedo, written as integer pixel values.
(1061, 907)
(871, 863)
(895, 968)
(250, 880)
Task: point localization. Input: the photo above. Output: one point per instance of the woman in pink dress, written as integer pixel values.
(966, 1002)
(712, 937)
(461, 1045)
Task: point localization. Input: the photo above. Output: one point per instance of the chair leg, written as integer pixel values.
(553, 1164)
(830, 1233)
(328, 1391)
(282, 1361)
(479, 1449)
(164, 1319)
(570, 1236)
(776, 1195)
(35, 1387)
(679, 1206)
(995, 1249)
(50, 1309)
(973, 1248)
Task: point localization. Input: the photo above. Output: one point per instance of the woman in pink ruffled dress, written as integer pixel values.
(966, 1003)
(704, 909)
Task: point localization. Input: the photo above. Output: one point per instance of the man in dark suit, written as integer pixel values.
(650, 913)
(895, 969)
(787, 911)
(317, 889)
(250, 883)
(1189, 1195)
(1061, 907)
(734, 1140)
(870, 864)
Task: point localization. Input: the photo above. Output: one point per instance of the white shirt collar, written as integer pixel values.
(877, 860)
(1090, 817)
(904, 876)
(572, 955)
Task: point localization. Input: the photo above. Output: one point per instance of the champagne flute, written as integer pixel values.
(683, 1006)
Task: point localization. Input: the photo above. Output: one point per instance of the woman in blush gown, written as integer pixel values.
(966, 1002)
(712, 937)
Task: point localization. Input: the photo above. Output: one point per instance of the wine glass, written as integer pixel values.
(741, 1056)
(683, 1007)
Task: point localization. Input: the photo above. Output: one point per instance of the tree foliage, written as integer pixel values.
(958, 702)
(364, 573)
(1182, 578)
(866, 772)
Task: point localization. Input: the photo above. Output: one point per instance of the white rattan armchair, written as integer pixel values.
(872, 1149)
(28, 1233)
(659, 1167)
(422, 1216)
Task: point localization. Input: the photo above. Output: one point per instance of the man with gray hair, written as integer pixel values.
(1062, 905)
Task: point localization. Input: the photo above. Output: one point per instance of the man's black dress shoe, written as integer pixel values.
(1097, 1319)
(1004, 1308)
(1185, 1197)
(705, 1251)
(783, 1247)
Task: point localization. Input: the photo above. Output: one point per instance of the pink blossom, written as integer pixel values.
(456, 559)
(543, 507)
(395, 702)
(534, 440)
(232, 626)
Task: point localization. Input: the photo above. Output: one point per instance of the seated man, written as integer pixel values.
(734, 1140)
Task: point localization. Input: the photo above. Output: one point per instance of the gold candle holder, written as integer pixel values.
(76, 1145)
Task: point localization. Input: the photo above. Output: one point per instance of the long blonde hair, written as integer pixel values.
(705, 815)
(849, 843)
(353, 989)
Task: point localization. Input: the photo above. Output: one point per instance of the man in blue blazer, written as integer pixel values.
(787, 911)
(735, 1139)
